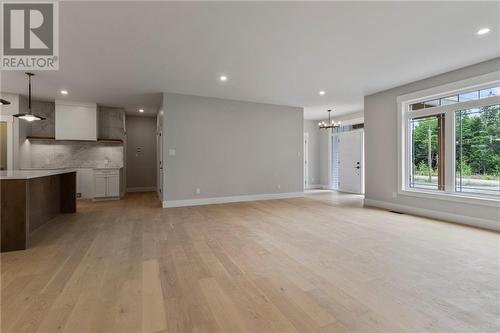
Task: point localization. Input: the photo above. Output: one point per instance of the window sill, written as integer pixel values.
(454, 197)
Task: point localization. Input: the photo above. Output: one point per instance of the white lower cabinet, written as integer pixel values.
(106, 183)
(113, 186)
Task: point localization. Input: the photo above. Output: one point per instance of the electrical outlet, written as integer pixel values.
(198, 191)
(279, 186)
(394, 195)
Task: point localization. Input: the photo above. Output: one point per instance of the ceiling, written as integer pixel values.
(127, 53)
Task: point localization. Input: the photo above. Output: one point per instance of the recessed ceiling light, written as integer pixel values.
(322, 92)
(64, 92)
(483, 31)
(141, 110)
(223, 78)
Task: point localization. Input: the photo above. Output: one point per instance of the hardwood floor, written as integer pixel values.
(316, 264)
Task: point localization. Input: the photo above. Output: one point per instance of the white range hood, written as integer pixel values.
(75, 121)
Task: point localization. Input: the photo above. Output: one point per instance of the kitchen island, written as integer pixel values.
(29, 199)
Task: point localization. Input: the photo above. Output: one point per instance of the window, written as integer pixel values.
(427, 158)
(456, 98)
(478, 150)
(451, 142)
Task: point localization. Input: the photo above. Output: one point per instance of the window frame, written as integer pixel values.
(404, 136)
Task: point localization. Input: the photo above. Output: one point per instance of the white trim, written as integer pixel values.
(468, 198)
(455, 218)
(141, 189)
(315, 187)
(306, 159)
(403, 134)
(477, 82)
(237, 198)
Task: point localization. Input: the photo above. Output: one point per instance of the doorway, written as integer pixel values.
(348, 162)
(6, 143)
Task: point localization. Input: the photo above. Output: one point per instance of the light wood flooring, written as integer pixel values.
(316, 264)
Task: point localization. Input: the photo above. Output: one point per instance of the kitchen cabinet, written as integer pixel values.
(111, 123)
(75, 121)
(106, 183)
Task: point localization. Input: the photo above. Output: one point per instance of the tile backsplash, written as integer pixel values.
(46, 154)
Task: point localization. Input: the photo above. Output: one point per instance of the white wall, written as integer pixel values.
(381, 154)
(230, 148)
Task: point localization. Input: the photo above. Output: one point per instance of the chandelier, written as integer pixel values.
(330, 123)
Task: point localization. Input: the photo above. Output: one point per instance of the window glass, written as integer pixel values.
(477, 133)
(465, 97)
(417, 106)
(425, 144)
(469, 96)
(433, 103)
(490, 92)
(449, 100)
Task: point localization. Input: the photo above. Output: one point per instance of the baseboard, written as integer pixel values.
(142, 189)
(238, 198)
(106, 199)
(317, 187)
(455, 218)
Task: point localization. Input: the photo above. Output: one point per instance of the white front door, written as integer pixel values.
(351, 173)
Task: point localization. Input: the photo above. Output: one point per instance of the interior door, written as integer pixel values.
(6, 143)
(306, 159)
(350, 147)
(159, 146)
(3, 145)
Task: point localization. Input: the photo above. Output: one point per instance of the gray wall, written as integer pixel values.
(141, 165)
(311, 127)
(381, 146)
(230, 148)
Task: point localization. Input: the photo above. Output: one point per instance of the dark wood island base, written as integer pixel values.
(29, 203)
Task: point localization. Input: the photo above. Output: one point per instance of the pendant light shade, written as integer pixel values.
(4, 102)
(29, 116)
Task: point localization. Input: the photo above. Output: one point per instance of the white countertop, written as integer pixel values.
(29, 174)
(108, 168)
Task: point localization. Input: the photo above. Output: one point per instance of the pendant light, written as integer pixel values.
(29, 116)
(330, 123)
(4, 102)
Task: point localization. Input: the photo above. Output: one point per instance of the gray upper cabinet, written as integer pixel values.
(111, 123)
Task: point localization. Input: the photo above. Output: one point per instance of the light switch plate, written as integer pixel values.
(171, 152)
